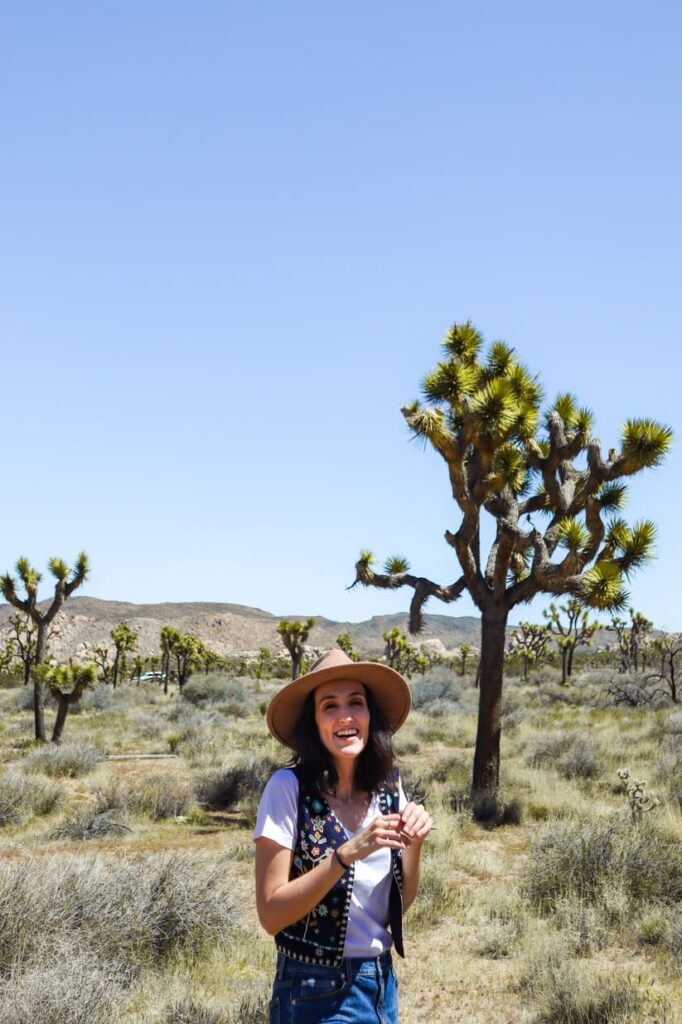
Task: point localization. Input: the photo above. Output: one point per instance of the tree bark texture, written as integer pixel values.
(486, 777)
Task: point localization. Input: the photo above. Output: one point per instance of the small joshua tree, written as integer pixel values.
(294, 635)
(464, 652)
(67, 580)
(125, 640)
(506, 458)
(345, 642)
(576, 630)
(530, 642)
(66, 683)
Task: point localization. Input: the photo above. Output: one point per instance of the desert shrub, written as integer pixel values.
(436, 898)
(73, 990)
(653, 929)
(498, 936)
(564, 993)
(581, 760)
(21, 796)
(188, 1010)
(582, 924)
(66, 760)
(156, 795)
(491, 811)
(213, 689)
(450, 769)
(572, 755)
(242, 783)
(251, 1009)
(127, 913)
(588, 858)
(438, 685)
(90, 824)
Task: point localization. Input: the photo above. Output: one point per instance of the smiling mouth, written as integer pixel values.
(347, 734)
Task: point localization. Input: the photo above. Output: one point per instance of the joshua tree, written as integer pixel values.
(67, 580)
(633, 639)
(100, 656)
(166, 641)
(670, 650)
(576, 631)
(139, 662)
(464, 652)
(345, 642)
(530, 641)
(483, 417)
(294, 635)
(66, 683)
(125, 640)
(188, 651)
(23, 639)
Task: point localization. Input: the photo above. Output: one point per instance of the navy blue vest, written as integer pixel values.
(319, 937)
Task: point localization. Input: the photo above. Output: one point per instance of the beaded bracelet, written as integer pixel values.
(341, 862)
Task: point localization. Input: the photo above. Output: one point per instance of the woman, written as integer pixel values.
(338, 846)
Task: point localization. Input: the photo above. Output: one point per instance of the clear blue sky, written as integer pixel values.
(233, 235)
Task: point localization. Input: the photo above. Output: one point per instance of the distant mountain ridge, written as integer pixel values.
(230, 629)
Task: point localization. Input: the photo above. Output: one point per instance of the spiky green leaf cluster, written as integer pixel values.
(463, 341)
(396, 564)
(572, 535)
(612, 496)
(644, 443)
(604, 587)
(509, 464)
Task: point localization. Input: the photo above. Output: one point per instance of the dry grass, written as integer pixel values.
(570, 916)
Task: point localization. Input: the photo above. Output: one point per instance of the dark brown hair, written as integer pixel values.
(315, 765)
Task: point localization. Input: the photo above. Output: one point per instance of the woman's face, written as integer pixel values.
(342, 717)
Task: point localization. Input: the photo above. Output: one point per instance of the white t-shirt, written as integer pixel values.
(366, 935)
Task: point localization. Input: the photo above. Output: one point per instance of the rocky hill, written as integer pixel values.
(229, 629)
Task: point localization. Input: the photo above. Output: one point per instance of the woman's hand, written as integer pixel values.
(385, 831)
(415, 823)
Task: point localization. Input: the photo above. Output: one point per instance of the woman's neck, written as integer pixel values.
(345, 784)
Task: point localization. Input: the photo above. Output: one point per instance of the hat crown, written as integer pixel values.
(332, 659)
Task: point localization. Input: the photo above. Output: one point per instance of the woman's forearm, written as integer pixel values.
(292, 900)
(411, 873)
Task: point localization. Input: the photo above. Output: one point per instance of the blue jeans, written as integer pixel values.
(357, 992)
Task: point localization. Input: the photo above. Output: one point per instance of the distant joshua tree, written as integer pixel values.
(294, 635)
(576, 630)
(125, 641)
(507, 459)
(530, 641)
(67, 580)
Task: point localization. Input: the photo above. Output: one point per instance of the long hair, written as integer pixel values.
(315, 765)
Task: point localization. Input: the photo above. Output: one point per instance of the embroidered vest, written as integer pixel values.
(319, 937)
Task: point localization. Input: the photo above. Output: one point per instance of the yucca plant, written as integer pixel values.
(294, 636)
(67, 580)
(483, 416)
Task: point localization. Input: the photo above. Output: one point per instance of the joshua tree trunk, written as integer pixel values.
(63, 701)
(38, 700)
(486, 776)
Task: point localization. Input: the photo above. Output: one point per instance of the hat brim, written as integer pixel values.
(387, 686)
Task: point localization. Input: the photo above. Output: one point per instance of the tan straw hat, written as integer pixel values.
(388, 687)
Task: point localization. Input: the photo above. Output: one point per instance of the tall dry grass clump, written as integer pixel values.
(128, 914)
